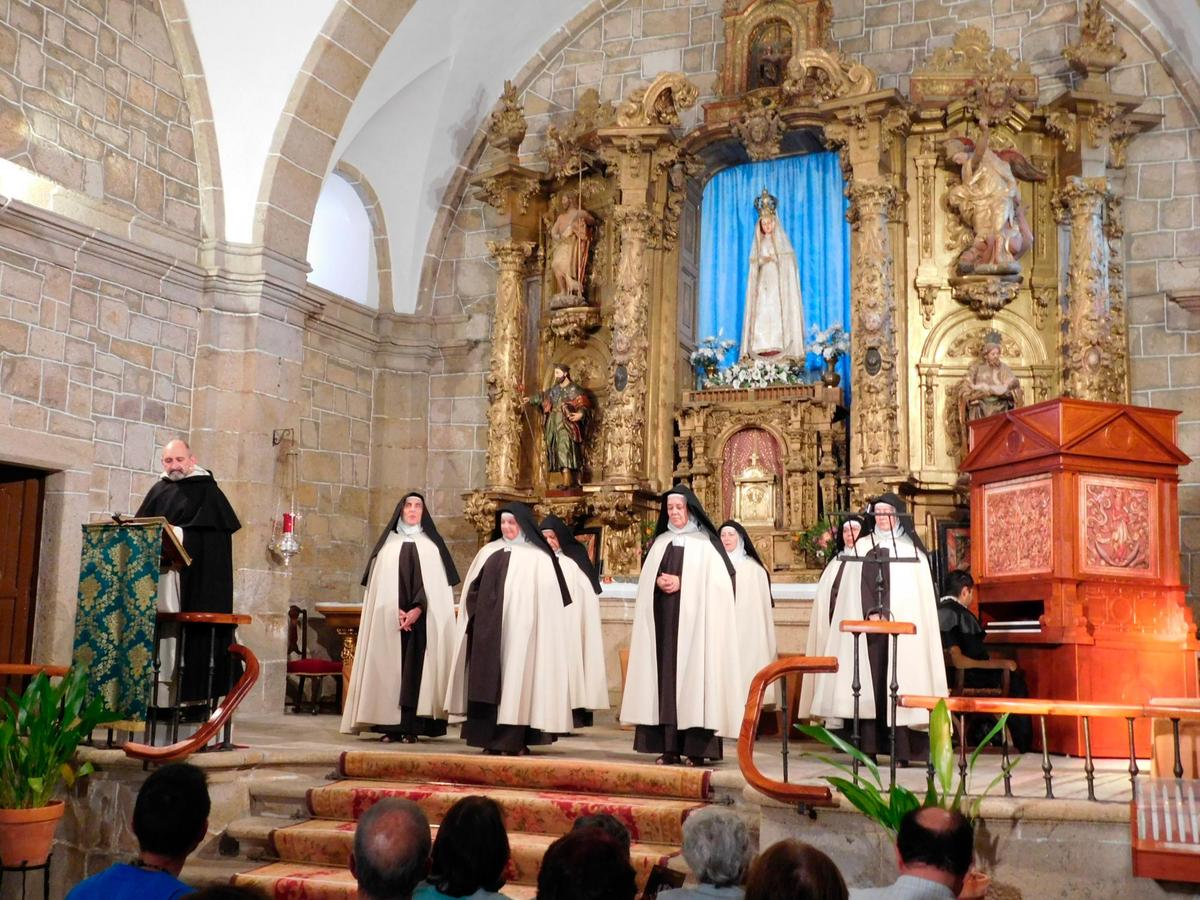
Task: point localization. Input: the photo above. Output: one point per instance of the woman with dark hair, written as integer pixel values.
(587, 864)
(684, 621)
(755, 621)
(508, 673)
(406, 632)
(793, 870)
(470, 853)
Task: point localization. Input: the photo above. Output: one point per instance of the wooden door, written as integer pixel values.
(21, 493)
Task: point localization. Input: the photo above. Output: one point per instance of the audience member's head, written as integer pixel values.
(391, 850)
(170, 816)
(228, 892)
(609, 824)
(588, 864)
(792, 870)
(937, 845)
(716, 846)
(471, 849)
(956, 582)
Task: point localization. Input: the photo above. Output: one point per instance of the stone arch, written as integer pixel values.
(1173, 62)
(379, 237)
(334, 71)
(204, 134)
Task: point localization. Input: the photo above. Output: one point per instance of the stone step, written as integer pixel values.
(328, 842)
(285, 797)
(653, 820)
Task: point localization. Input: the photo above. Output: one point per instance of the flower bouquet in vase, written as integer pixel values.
(832, 344)
(707, 357)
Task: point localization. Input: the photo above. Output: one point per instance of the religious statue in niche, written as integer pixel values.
(770, 50)
(571, 244)
(568, 408)
(774, 317)
(989, 387)
(989, 202)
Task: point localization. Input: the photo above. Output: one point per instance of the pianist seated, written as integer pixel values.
(962, 630)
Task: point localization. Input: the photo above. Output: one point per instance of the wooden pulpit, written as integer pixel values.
(118, 599)
(1075, 554)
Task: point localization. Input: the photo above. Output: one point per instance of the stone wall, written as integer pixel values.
(616, 50)
(91, 97)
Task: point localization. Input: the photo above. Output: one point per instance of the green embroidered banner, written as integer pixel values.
(114, 625)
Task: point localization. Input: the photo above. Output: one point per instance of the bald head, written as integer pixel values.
(391, 850)
(177, 460)
(937, 845)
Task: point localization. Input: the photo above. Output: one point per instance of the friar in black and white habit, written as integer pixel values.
(682, 690)
(508, 676)
(406, 633)
(893, 551)
(753, 603)
(587, 677)
(190, 499)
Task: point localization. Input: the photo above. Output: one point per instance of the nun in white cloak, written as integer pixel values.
(508, 674)
(773, 325)
(406, 633)
(753, 605)
(683, 687)
(894, 550)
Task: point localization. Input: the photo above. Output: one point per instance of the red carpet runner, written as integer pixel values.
(541, 798)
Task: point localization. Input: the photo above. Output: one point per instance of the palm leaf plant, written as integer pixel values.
(887, 806)
(40, 731)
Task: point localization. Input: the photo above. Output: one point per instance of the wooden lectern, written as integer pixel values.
(118, 601)
(1075, 553)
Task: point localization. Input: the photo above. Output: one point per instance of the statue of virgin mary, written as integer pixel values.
(773, 327)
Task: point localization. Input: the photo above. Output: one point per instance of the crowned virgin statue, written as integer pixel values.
(774, 323)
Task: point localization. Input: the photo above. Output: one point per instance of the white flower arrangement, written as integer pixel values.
(709, 353)
(831, 344)
(756, 373)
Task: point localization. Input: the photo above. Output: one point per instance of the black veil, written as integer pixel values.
(905, 519)
(430, 531)
(750, 550)
(696, 510)
(528, 525)
(572, 548)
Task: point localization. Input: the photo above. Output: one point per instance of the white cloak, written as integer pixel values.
(755, 623)
(533, 643)
(708, 680)
(587, 677)
(774, 316)
(373, 695)
(920, 668)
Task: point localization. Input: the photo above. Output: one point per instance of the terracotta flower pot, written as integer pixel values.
(26, 834)
(976, 885)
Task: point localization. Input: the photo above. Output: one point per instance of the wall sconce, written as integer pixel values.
(285, 542)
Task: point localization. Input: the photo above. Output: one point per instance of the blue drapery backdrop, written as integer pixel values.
(812, 207)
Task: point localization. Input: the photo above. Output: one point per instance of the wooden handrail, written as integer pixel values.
(26, 670)
(206, 732)
(1034, 707)
(876, 626)
(807, 794)
(205, 618)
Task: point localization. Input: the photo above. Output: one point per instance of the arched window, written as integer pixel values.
(341, 244)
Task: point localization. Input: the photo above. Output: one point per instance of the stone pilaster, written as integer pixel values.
(873, 352)
(507, 369)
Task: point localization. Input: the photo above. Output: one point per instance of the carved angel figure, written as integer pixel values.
(989, 202)
(571, 235)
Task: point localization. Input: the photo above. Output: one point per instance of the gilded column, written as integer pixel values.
(1087, 348)
(873, 338)
(625, 414)
(506, 372)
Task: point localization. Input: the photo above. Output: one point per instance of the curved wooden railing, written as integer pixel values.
(220, 716)
(28, 670)
(804, 795)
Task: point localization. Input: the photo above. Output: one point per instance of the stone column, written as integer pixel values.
(873, 415)
(507, 369)
(1088, 361)
(625, 415)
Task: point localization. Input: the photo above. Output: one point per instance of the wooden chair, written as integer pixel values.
(957, 666)
(313, 669)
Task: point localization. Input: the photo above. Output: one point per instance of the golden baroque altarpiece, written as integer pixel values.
(599, 272)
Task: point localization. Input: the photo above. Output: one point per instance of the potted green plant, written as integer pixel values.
(887, 806)
(39, 733)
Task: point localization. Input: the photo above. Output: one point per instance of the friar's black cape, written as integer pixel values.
(197, 505)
